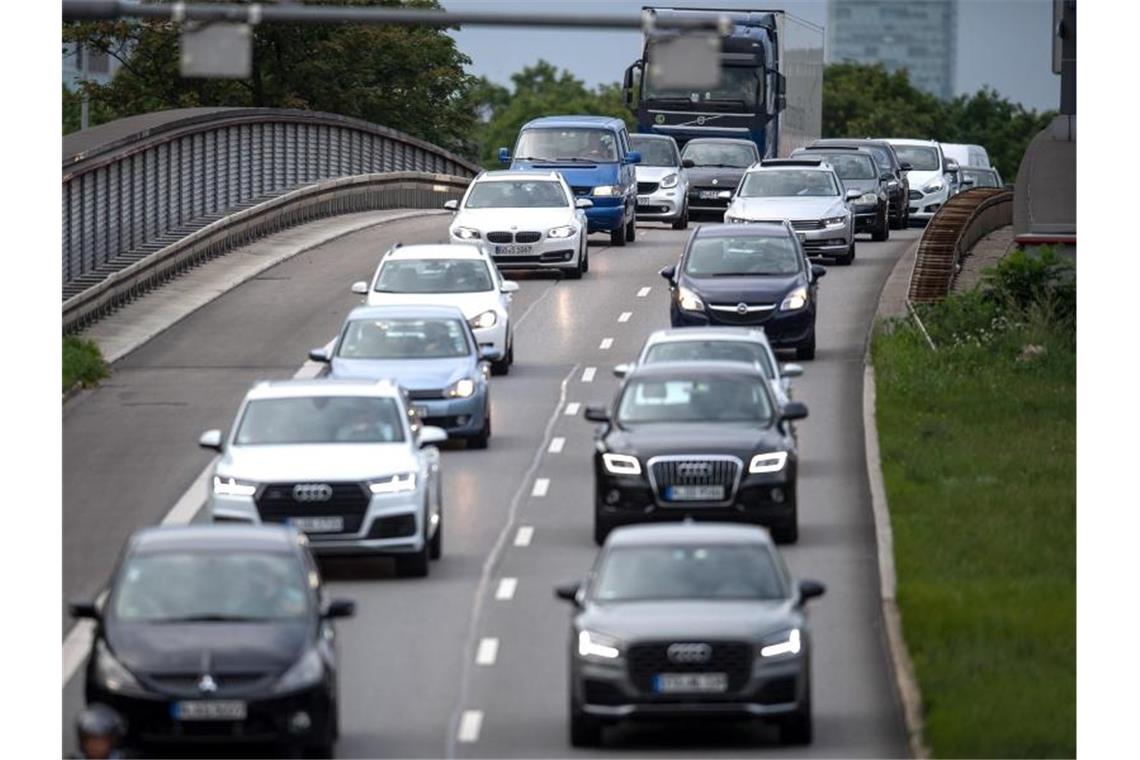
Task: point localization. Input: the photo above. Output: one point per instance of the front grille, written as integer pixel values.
(733, 658)
(229, 684)
(500, 237)
(503, 236)
(778, 691)
(276, 504)
(807, 224)
(393, 527)
(645, 188)
(697, 471)
(603, 693)
(730, 316)
(528, 237)
(431, 393)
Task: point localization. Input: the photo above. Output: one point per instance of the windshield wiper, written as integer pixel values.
(578, 160)
(745, 274)
(217, 619)
(531, 158)
(719, 166)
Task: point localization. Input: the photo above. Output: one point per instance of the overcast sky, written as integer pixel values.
(1002, 43)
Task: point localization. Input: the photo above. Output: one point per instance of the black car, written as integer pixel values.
(696, 440)
(753, 275)
(217, 633)
(889, 162)
(715, 164)
(857, 170)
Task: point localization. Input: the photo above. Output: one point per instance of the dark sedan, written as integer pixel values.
(753, 275)
(857, 170)
(713, 165)
(898, 187)
(217, 633)
(690, 621)
(696, 440)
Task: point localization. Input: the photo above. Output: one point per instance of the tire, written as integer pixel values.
(435, 546)
(585, 730)
(682, 221)
(502, 366)
(631, 230)
(585, 257)
(848, 258)
(806, 350)
(510, 350)
(602, 526)
(575, 272)
(479, 441)
(789, 532)
(617, 237)
(899, 221)
(797, 727)
(882, 230)
(415, 565)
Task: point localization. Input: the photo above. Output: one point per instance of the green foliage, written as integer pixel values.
(1023, 281)
(82, 363)
(97, 113)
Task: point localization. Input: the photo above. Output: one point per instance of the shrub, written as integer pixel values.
(82, 363)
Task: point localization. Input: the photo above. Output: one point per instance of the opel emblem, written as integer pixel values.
(741, 308)
(207, 685)
(685, 654)
(312, 492)
(660, 118)
(700, 120)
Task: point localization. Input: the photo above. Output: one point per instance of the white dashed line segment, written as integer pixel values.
(588, 374)
(541, 486)
(625, 315)
(469, 726)
(572, 408)
(556, 445)
(524, 536)
(644, 292)
(506, 589)
(606, 344)
(488, 651)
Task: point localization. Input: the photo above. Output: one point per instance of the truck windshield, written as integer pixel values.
(739, 86)
(567, 144)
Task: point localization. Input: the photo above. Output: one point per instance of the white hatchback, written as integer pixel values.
(449, 275)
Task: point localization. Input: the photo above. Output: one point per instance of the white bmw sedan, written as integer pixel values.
(524, 220)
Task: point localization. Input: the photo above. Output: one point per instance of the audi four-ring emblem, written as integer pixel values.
(689, 653)
(312, 492)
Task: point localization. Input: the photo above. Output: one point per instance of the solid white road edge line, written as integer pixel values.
(469, 726)
(524, 536)
(488, 651)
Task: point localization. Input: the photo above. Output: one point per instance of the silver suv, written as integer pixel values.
(343, 461)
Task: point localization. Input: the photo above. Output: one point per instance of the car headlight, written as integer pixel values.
(835, 221)
(466, 233)
(670, 180)
(112, 674)
(688, 300)
(730, 219)
(867, 199)
(773, 461)
(462, 388)
(233, 487)
(486, 319)
(561, 233)
(306, 672)
(597, 646)
(785, 642)
(934, 185)
(606, 190)
(621, 464)
(398, 483)
(797, 299)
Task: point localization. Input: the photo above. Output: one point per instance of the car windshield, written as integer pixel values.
(711, 350)
(689, 571)
(567, 144)
(403, 339)
(724, 154)
(516, 194)
(743, 256)
(320, 419)
(655, 151)
(434, 276)
(848, 165)
(981, 178)
(920, 157)
(211, 586)
(787, 183)
(715, 399)
(738, 85)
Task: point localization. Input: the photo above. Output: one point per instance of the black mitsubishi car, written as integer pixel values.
(696, 440)
(715, 165)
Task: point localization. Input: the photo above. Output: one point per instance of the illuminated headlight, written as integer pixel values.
(867, 199)
(305, 673)
(401, 482)
(597, 646)
(112, 674)
(786, 642)
(606, 190)
(466, 233)
(688, 300)
(934, 185)
(484, 320)
(462, 388)
(561, 233)
(835, 221)
(669, 180)
(771, 462)
(797, 299)
(232, 487)
(621, 464)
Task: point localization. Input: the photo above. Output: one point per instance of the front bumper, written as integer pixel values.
(663, 204)
(607, 213)
(925, 205)
(460, 417)
(866, 217)
(829, 241)
(785, 329)
(493, 337)
(547, 252)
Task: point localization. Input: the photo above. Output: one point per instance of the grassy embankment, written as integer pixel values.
(82, 363)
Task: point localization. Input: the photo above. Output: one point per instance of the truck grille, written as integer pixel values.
(276, 504)
(734, 658)
(695, 471)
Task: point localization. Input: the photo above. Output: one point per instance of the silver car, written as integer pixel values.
(342, 461)
(806, 192)
(662, 182)
(690, 621)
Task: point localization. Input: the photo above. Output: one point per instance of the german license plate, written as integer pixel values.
(703, 683)
(513, 250)
(333, 524)
(708, 195)
(221, 709)
(695, 493)
(644, 200)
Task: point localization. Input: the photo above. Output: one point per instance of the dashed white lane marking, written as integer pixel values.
(606, 344)
(524, 536)
(556, 445)
(572, 408)
(625, 315)
(488, 651)
(506, 589)
(588, 374)
(644, 292)
(541, 486)
(469, 726)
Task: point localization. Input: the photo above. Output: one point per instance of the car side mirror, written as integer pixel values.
(724, 195)
(791, 370)
(504, 156)
(906, 166)
(583, 203)
(596, 414)
(569, 592)
(320, 355)
(360, 287)
(688, 163)
(669, 273)
(633, 157)
(810, 589)
(794, 410)
(339, 608)
(622, 370)
(969, 181)
(211, 439)
(952, 165)
(818, 270)
(452, 205)
(509, 286)
(84, 610)
(430, 435)
(852, 194)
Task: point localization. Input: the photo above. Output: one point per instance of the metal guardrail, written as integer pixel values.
(342, 195)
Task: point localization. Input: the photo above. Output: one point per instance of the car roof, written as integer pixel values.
(908, 141)
(743, 230)
(688, 533)
(506, 174)
(211, 537)
(322, 387)
(601, 122)
(856, 150)
(839, 142)
(405, 311)
(435, 251)
(700, 368)
(679, 334)
(720, 140)
(651, 136)
(784, 164)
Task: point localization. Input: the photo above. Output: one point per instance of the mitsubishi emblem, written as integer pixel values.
(207, 685)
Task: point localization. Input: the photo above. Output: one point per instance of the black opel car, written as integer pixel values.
(753, 275)
(898, 187)
(696, 440)
(217, 633)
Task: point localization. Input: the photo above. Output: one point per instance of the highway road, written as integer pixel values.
(470, 662)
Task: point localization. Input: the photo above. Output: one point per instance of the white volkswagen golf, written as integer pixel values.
(449, 275)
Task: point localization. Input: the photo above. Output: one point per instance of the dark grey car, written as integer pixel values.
(689, 621)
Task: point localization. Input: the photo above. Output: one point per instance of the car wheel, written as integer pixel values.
(882, 230)
(574, 272)
(585, 258)
(326, 747)
(806, 350)
(847, 258)
(788, 532)
(501, 366)
(683, 220)
(898, 222)
(797, 727)
(415, 565)
(585, 730)
(435, 547)
(602, 526)
(617, 237)
(479, 441)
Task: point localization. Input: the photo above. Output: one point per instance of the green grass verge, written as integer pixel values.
(979, 458)
(82, 363)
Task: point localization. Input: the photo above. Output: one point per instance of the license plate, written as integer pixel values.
(228, 709)
(708, 195)
(513, 250)
(333, 524)
(644, 200)
(706, 683)
(695, 493)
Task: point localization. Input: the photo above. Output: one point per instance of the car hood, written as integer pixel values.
(655, 173)
(734, 290)
(413, 374)
(919, 178)
(690, 620)
(185, 648)
(693, 438)
(471, 304)
(490, 219)
(316, 462)
(575, 174)
(788, 208)
(726, 178)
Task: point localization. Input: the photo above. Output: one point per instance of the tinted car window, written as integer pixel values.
(551, 144)
(724, 571)
(732, 155)
(981, 178)
(655, 152)
(710, 350)
(320, 419)
(786, 183)
(726, 257)
(403, 339)
(434, 276)
(720, 399)
(921, 158)
(847, 165)
(516, 194)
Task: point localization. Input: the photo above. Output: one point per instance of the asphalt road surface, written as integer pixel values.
(470, 662)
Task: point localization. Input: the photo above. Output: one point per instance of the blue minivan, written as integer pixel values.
(592, 153)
